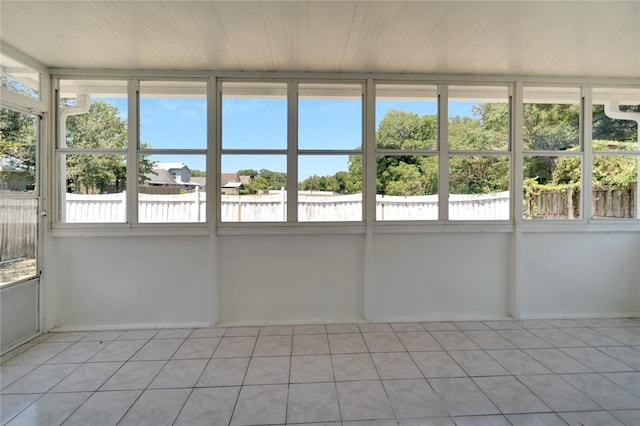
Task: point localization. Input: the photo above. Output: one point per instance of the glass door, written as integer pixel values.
(19, 227)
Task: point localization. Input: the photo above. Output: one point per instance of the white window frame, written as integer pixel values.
(292, 153)
(591, 153)
(131, 225)
(369, 224)
(584, 168)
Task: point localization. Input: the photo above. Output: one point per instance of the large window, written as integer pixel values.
(329, 152)
(109, 172)
(407, 152)
(91, 154)
(291, 152)
(172, 152)
(615, 153)
(553, 153)
(253, 165)
(310, 151)
(479, 152)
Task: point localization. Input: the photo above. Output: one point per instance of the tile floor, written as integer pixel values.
(555, 372)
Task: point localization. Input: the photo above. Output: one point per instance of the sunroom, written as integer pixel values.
(300, 173)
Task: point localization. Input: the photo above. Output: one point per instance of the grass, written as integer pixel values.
(16, 270)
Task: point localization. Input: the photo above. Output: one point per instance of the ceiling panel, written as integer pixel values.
(590, 39)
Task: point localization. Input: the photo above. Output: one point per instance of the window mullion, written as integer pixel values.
(369, 159)
(517, 147)
(586, 134)
(292, 152)
(133, 133)
(443, 150)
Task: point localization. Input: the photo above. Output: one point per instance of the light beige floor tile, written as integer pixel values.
(462, 397)
(395, 365)
(312, 402)
(413, 398)
(224, 372)
(103, 409)
(353, 367)
(261, 405)
(134, 375)
(156, 407)
(311, 368)
(182, 373)
(51, 410)
(88, 377)
(363, 400)
(209, 407)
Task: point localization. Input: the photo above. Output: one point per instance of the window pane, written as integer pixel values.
(18, 136)
(253, 188)
(95, 188)
(18, 233)
(611, 132)
(330, 188)
(406, 117)
(479, 188)
(173, 115)
(254, 115)
(552, 187)
(329, 116)
(551, 119)
(478, 118)
(615, 186)
(407, 188)
(19, 78)
(172, 188)
(93, 114)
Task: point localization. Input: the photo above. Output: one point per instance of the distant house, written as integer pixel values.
(12, 176)
(232, 183)
(201, 181)
(174, 177)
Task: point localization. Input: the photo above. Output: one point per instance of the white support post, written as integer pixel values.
(517, 144)
(292, 152)
(586, 136)
(133, 145)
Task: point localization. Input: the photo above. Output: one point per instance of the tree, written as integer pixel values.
(18, 144)
(100, 128)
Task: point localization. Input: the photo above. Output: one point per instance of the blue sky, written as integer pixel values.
(179, 123)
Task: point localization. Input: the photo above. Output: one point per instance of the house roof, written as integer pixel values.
(229, 177)
(537, 38)
(200, 180)
(170, 166)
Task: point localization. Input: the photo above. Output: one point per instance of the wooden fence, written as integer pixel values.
(565, 204)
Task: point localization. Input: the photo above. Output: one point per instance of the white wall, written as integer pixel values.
(574, 274)
(290, 278)
(102, 282)
(130, 281)
(438, 276)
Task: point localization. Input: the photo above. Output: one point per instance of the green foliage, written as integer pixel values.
(198, 173)
(264, 180)
(605, 128)
(100, 128)
(18, 142)
(551, 126)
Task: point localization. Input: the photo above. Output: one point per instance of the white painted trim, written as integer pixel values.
(390, 77)
(582, 316)
(152, 326)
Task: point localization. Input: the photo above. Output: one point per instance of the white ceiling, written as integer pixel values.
(538, 38)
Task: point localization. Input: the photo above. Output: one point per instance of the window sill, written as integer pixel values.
(124, 230)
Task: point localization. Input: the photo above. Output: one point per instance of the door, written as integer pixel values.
(19, 227)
